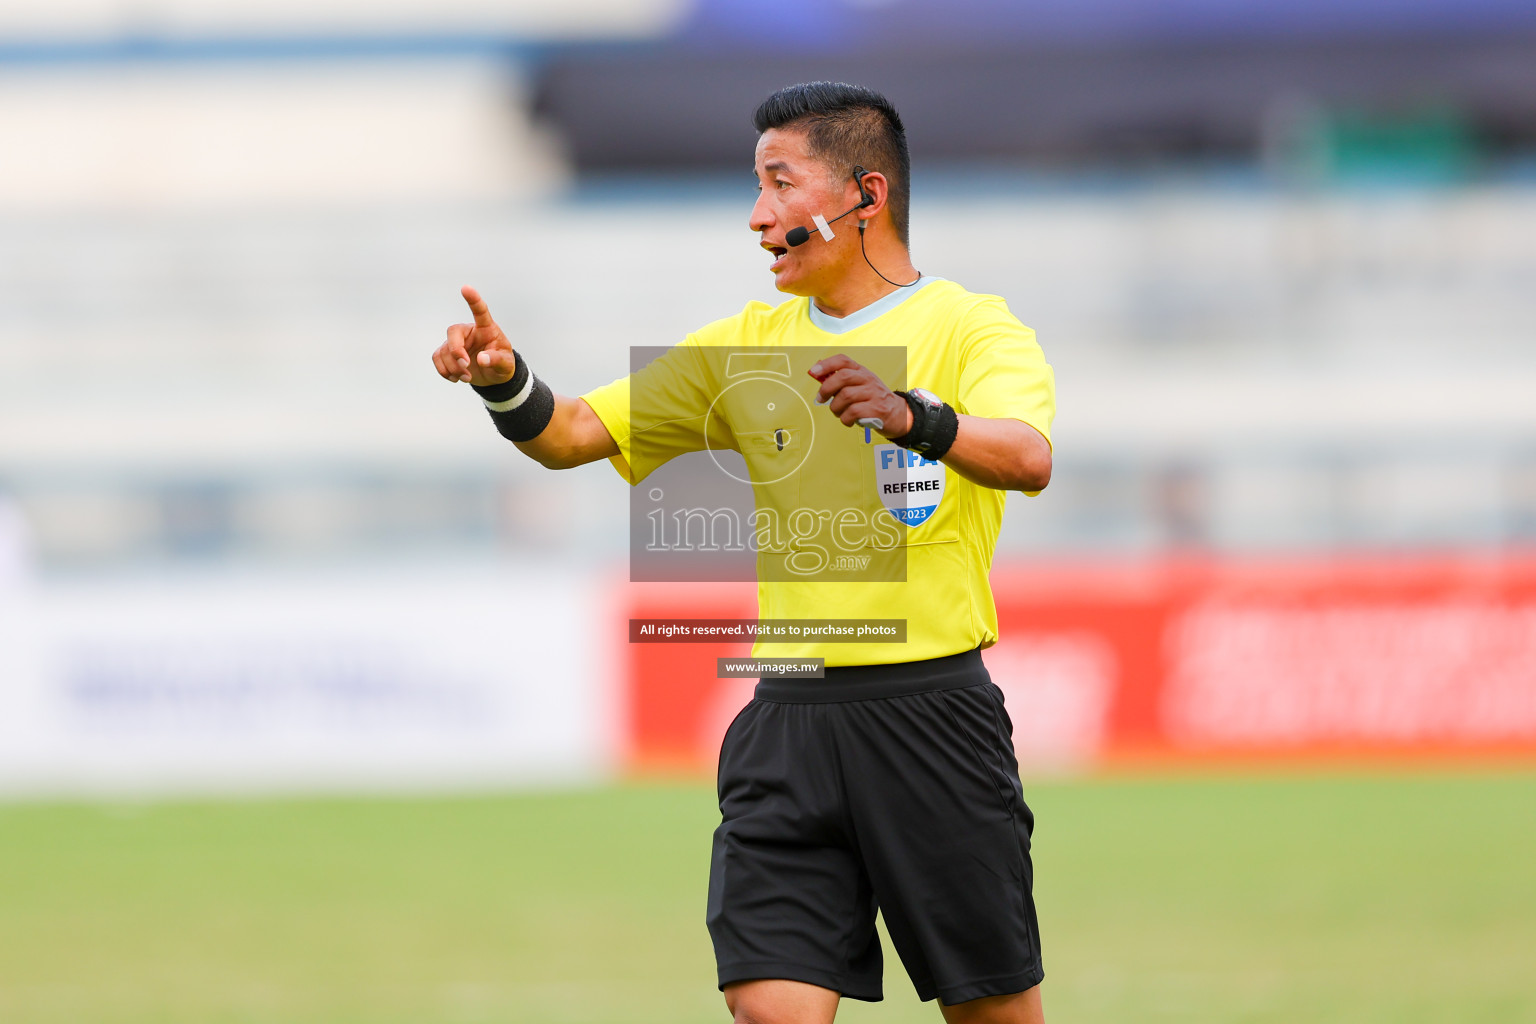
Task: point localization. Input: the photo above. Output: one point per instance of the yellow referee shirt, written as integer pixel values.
(849, 526)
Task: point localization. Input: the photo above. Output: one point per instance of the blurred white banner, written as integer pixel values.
(364, 680)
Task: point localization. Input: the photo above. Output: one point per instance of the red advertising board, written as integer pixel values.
(1187, 658)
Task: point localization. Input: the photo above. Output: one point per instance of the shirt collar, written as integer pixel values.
(860, 317)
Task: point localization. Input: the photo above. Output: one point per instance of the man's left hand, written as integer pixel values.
(855, 393)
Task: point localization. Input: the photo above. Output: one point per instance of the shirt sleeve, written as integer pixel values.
(1003, 372)
(611, 403)
(660, 411)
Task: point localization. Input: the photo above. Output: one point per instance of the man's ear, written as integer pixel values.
(879, 190)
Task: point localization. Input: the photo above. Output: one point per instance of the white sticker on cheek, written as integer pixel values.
(823, 227)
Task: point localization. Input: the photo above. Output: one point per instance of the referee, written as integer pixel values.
(891, 783)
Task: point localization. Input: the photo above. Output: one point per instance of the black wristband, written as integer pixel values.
(521, 407)
(944, 434)
(933, 431)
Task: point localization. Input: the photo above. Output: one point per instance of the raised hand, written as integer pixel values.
(477, 353)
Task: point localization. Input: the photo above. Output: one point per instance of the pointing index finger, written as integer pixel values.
(478, 307)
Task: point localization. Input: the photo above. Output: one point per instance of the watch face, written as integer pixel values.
(927, 397)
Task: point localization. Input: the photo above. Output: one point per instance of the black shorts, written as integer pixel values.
(889, 786)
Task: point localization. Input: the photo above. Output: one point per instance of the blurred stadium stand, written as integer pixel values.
(1281, 255)
(242, 208)
(241, 25)
(978, 85)
(1248, 368)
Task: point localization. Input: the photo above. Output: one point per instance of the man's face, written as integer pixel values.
(793, 187)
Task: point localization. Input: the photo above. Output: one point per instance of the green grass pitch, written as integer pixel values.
(1360, 898)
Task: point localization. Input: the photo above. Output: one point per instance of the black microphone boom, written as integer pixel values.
(801, 235)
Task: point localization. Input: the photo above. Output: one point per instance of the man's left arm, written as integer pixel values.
(1006, 454)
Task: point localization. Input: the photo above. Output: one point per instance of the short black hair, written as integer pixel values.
(847, 126)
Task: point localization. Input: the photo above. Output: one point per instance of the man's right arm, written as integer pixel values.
(480, 354)
(574, 437)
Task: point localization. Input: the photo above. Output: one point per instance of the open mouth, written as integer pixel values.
(778, 252)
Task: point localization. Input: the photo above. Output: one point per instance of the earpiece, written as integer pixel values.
(865, 199)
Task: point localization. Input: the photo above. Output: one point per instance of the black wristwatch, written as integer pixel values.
(934, 424)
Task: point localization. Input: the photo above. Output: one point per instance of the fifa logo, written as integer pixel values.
(910, 486)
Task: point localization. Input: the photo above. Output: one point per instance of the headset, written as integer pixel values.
(801, 235)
